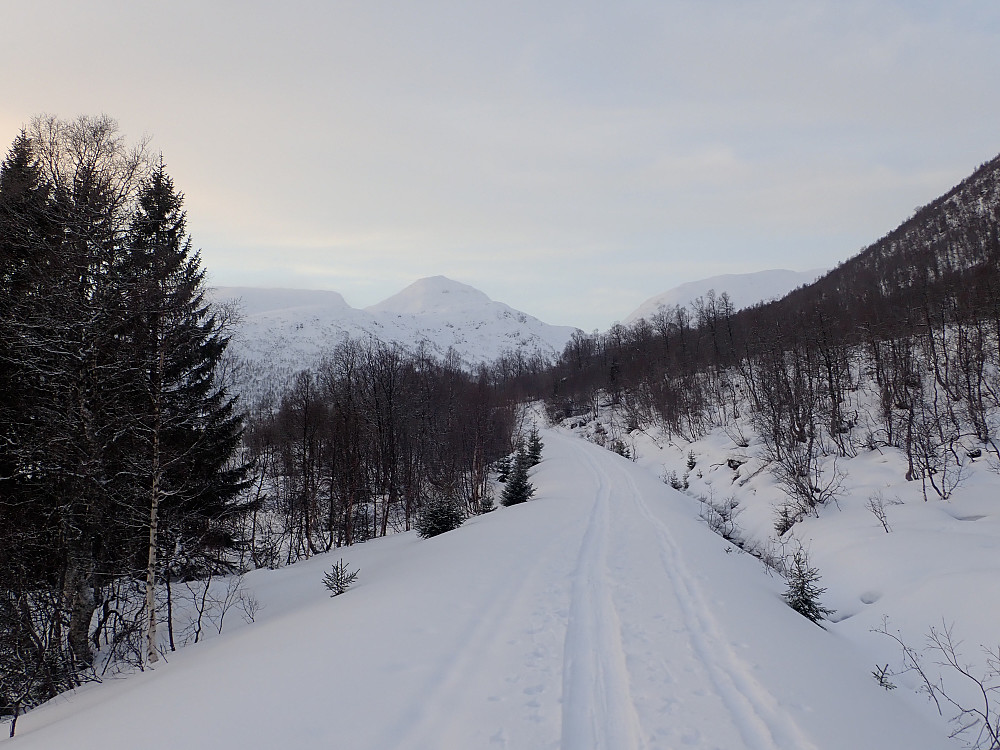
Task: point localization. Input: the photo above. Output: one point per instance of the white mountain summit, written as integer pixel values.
(283, 331)
(435, 295)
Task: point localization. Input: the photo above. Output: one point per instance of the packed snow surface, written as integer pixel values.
(744, 290)
(601, 614)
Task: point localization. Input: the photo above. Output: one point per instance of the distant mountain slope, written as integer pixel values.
(254, 301)
(282, 331)
(944, 258)
(744, 289)
(943, 262)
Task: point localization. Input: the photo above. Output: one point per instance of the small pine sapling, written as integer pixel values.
(486, 502)
(672, 479)
(803, 590)
(785, 519)
(882, 675)
(619, 447)
(339, 578)
(535, 446)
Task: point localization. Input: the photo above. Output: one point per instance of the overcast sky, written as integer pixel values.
(568, 158)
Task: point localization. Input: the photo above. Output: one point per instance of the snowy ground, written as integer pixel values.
(602, 614)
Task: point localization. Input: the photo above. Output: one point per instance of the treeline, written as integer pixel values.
(358, 448)
(911, 325)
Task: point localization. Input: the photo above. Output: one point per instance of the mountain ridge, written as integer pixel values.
(282, 331)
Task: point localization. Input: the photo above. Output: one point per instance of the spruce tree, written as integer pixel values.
(441, 512)
(503, 467)
(114, 431)
(535, 446)
(24, 243)
(803, 591)
(185, 428)
(34, 664)
(68, 354)
(518, 489)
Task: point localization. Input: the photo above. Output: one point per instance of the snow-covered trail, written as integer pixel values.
(600, 615)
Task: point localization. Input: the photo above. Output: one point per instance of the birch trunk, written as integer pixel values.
(154, 510)
(151, 656)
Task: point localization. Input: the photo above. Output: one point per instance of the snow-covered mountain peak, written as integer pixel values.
(744, 290)
(433, 295)
(282, 331)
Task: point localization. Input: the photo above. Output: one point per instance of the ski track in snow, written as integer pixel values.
(485, 642)
(598, 711)
(761, 723)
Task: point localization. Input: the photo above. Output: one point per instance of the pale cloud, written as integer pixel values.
(570, 159)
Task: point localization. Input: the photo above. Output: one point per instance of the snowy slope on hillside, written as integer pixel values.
(601, 615)
(744, 289)
(283, 331)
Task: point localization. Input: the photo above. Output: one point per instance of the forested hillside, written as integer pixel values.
(851, 425)
(914, 318)
(359, 446)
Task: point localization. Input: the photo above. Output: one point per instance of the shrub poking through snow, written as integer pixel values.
(882, 675)
(486, 502)
(619, 447)
(803, 590)
(441, 512)
(339, 578)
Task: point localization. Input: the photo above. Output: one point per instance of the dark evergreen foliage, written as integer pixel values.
(503, 467)
(108, 356)
(534, 447)
(803, 592)
(186, 428)
(339, 578)
(518, 488)
(440, 513)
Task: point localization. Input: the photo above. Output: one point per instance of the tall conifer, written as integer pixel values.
(185, 428)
